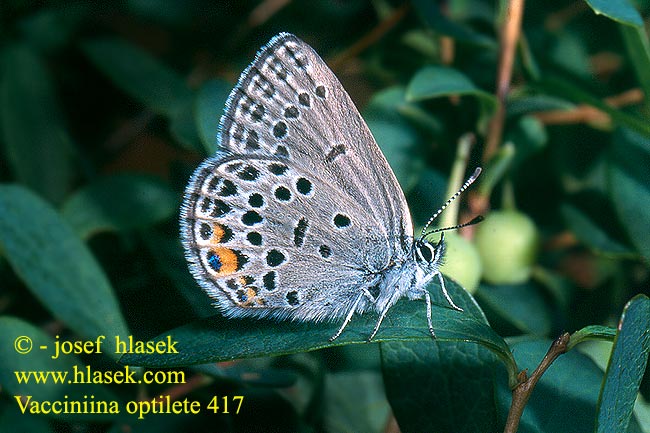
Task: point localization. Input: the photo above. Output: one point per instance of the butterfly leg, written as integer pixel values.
(381, 319)
(444, 292)
(369, 295)
(427, 299)
(390, 303)
(347, 318)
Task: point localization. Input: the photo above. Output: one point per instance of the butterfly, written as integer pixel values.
(298, 216)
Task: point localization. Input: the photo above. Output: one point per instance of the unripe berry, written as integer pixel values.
(462, 261)
(507, 242)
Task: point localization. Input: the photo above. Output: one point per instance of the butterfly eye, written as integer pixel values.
(426, 251)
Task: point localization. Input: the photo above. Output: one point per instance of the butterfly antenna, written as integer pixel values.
(474, 220)
(466, 185)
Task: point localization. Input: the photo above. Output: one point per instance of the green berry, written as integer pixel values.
(462, 261)
(507, 242)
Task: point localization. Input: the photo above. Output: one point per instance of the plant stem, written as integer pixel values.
(508, 43)
(522, 392)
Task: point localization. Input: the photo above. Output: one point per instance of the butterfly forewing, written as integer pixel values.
(289, 104)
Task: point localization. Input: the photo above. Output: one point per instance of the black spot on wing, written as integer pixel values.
(299, 232)
(341, 221)
(335, 151)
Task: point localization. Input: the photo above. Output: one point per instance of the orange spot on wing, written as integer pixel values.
(229, 261)
(217, 233)
(251, 293)
(252, 296)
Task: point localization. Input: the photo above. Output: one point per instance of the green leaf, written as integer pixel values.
(626, 367)
(592, 332)
(621, 11)
(36, 142)
(387, 103)
(636, 42)
(119, 202)
(520, 306)
(267, 372)
(422, 41)
(559, 288)
(353, 357)
(437, 81)
(210, 103)
(139, 75)
(454, 383)
(40, 360)
(629, 187)
(56, 266)
(219, 339)
(391, 103)
(516, 106)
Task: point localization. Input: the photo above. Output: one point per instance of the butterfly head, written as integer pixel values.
(429, 255)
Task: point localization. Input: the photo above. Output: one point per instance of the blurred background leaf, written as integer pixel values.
(57, 267)
(37, 143)
(119, 202)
